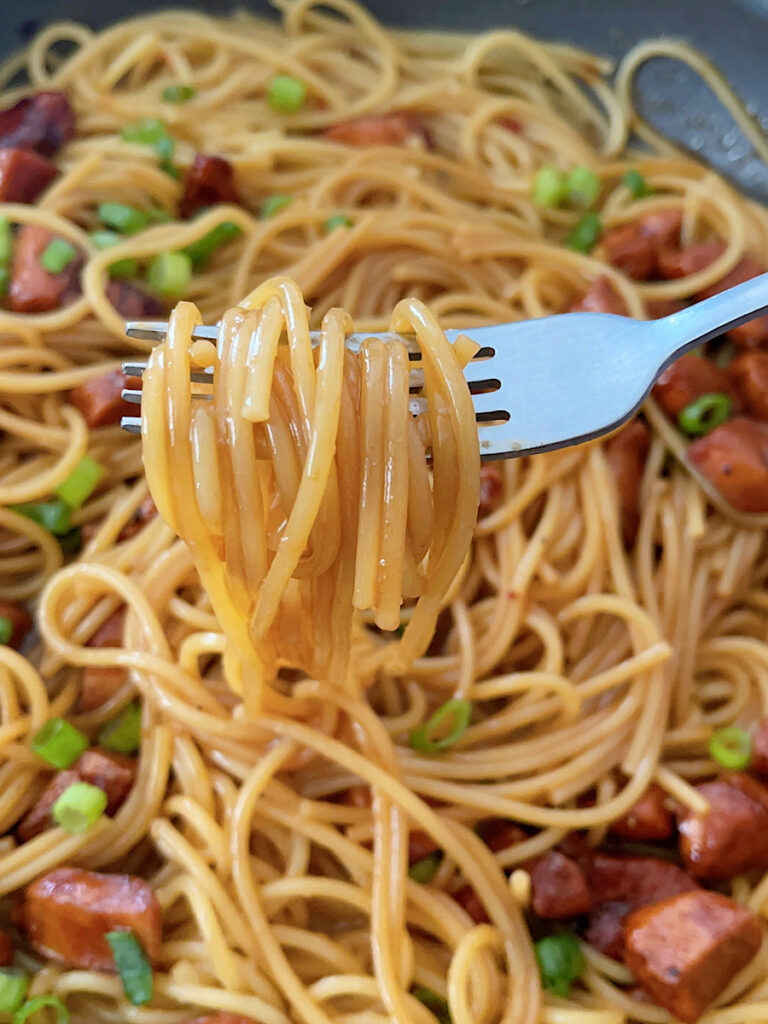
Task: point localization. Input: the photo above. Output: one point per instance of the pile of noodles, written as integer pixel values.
(591, 671)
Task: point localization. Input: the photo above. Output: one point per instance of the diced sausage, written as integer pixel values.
(420, 845)
(635, 247)
(100, 682)
(66, 914)
(20, 620)
(734, 457)
(23, 175)
(732, 836)
(357, 796)
(626, 453)
(558, 887)
(110, 772)
(491, 488)
(755, 332)
(467, 898)
(385, 130)
(749, 373)
(43, 122)
(675, 263)
(649, 818)
(133, 303)
(211, 180)
(6, 948)
(658, 308)
(100, 398)
(759, 762)
(684, 951)
(605, 931)
(600, 297)
(34, 289)
(144, 514)
(499, 834)
(687, 379)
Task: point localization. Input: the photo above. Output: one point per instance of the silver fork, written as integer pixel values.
(538, 385)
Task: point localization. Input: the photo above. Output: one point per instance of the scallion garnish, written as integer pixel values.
(704, 413)
(6, 242)
(286, 94)
(273, 205)
(151, 131)
(432, 737)
(549, 186)
(424, 870)
(582, 186)
(72, 541)
(586, 233)
(202, 250)
(338, 220)
(80, 483)
(13, 989)
(123, 733)
(57, 256)
(53, 516)
(120, 268)
(6, 629)
(434, 1003)
(178, 93)
(560, 962)
(132, 966)
(125, 219)
(731, 747)
(169, 274)
(79, 807)
(5, 281)
(33, 1006)
(636, 184)
(59, 743)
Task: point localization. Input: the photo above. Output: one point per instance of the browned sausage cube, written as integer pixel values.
(600, 297)
(499, 834)
(43, 122)
(634, 880)
(210, 180)
(23, 175)
(675, 263)
(649, 818)
(386, 130)
(755, 332)
(20, 620)
(658, 308)
(420, 845)
(734, 457)
(732, 836)
(687, 379)
(133, 303)
(491, 488)
(749, 373)
(110, 772)
(67, 913)
(606, 928)
(100, 398)
(100, 682)
(626, 453)
(33, 289)
(684, 951)
(467, 898)
(558, 887)
(6, 948)
(759, 762)
(635, 247)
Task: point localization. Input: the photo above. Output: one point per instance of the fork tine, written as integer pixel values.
(156, 330)
(131, 423)
(131, 396)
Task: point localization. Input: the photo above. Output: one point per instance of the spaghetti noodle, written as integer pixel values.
(274, 829)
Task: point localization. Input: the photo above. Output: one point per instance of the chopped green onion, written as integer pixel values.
(560, 962)
(424, 870)
(731, 747)
(6, 242)
(5, 281)
(157, 215)
(704, 413)
(434, 1003)
(170, 169)
(80, 483)
(6, 629)
(13, 989)
(151, 131)
(636, 184)
(585, 235)
(132, 965)
(273, 205)
(105, 239)
(202, 250)
(79, 807)
(32, 1006)
(123, 734)
(178, 93)
(72, 541)
(53, 516)
(549, 186)
(338, 220)
(57, 256)
(583, 187)
(125, 219)
(169, 274)
(458, 711)
(286, 94)
(59, 743)
(127, 267)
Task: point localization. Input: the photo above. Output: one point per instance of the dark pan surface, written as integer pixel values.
(732, 33)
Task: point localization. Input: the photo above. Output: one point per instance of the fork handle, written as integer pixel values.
(696, 324)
